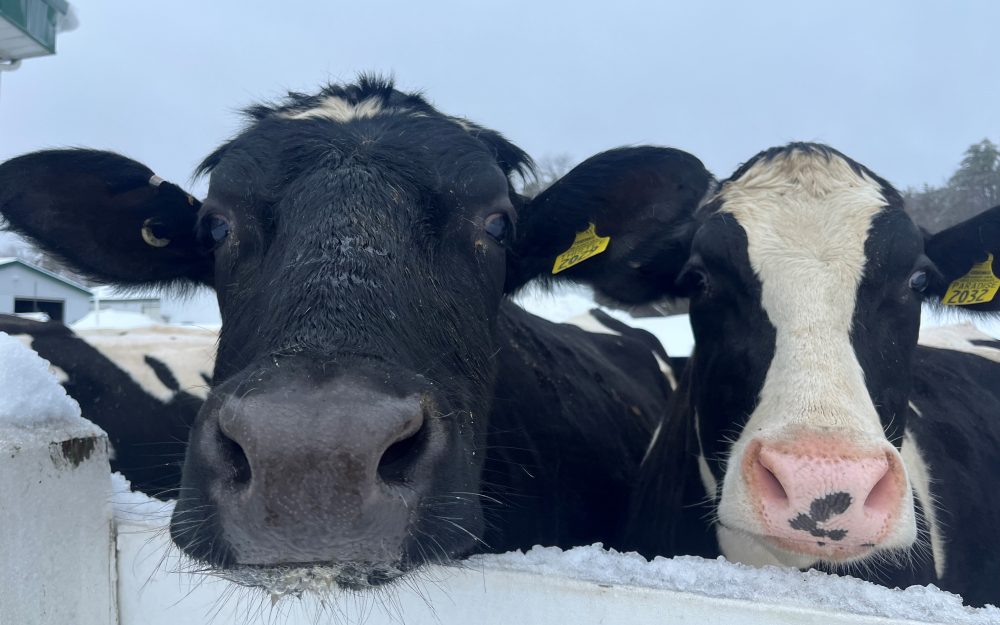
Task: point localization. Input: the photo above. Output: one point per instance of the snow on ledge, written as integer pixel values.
(726, 580)
(31, 396)
(137, 508)
(711, 579)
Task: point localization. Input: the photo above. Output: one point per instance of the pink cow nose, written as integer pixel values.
(824, 499)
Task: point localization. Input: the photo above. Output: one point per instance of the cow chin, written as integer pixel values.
(318, 579)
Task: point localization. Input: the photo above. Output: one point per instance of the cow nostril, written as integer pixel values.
(769, 484)
(236, 459)
(396, 461)
(883, 495)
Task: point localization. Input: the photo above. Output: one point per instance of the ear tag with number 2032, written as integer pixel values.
(585, 245)
(976, 287)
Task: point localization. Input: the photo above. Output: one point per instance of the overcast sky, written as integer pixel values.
(902, 86)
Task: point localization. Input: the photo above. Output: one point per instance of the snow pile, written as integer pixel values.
(29, 394)
(722, 579)
(110, 318)
(135, 507)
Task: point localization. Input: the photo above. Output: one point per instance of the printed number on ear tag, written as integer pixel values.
(976, 287)
(586, 244)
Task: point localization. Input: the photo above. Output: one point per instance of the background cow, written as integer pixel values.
(809, 429)
(374, 391)
(143, 386)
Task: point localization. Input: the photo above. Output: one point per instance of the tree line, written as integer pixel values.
(974, 187)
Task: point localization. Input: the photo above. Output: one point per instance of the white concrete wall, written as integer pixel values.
(56, 549)
(153, 590)
(17, 281)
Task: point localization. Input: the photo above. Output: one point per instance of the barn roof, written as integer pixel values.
(10, 261)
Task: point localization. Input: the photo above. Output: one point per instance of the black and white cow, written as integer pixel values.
(809, 428)
(143, 386)
(377, 403)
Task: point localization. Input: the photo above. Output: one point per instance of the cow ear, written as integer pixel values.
(105, 216)
(960, 254)
(621, 221)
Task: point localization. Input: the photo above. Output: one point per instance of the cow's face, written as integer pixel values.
(805, 279)
(361, 244)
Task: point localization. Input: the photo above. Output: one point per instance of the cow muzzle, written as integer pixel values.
(821, 498)
(297, 468)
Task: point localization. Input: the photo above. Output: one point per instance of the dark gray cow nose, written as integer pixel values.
(317, 471)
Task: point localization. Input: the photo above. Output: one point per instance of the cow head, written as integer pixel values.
(806, 278)
(360, 243)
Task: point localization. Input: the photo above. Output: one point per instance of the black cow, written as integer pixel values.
(809, 428)
(375, 394)
(135, 397)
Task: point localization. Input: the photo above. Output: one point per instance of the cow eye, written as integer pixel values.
(498, 226)
(918, 281)
(691, 281)
(218, 228)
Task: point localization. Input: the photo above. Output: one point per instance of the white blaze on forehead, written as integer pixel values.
(338, 109)
(806, 218)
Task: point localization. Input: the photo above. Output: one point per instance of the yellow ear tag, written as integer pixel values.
(976, 287)
(586, 244)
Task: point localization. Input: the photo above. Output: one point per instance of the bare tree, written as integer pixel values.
(549, 168)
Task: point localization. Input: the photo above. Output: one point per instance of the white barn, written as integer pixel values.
(27, 288)
(196, 307)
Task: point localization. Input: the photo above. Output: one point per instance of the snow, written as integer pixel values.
(135, 507)
(30, 395)
(562, 303)
(722, 579)
(110, 318)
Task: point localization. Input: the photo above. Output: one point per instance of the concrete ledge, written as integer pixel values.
(56, 559)
(155, 589)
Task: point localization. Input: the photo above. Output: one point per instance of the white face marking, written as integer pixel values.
(920, 480)
(338, 109)
(806, 219)
(959, 338)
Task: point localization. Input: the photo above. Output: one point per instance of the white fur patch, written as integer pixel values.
(920, 479)
(959, 338)
(652, 442)
(338, 109)
(187, 352)
(590, 323)
(806, 219)
(704, 471)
